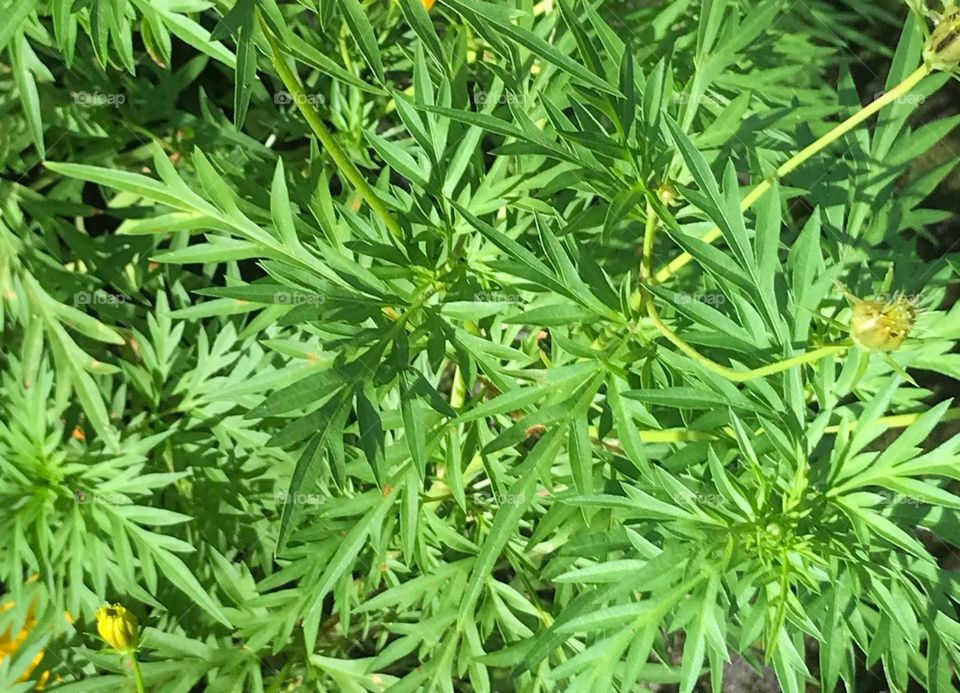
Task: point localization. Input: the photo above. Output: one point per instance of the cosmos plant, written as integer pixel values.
(368, 345)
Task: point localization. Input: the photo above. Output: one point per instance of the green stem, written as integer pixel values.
(137, 674)
(901, 420)
(677, 341)
(796, 160)
(649, 229)
(729, 373)
(686, 435)
(329, 143)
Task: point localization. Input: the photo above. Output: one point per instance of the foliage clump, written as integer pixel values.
(558, 346)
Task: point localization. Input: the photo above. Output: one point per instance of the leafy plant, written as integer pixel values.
(470, 346)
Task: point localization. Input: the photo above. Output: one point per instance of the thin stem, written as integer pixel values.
(686, 435)
(329, 143)
(666, 435)
(901, 420)
(649, 230)
(728, 373)
(797, 159)
(137, 674)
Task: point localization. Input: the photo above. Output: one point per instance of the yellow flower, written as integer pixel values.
(10, 644)
(118, 627)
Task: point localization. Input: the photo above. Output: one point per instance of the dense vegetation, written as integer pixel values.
(361, 345)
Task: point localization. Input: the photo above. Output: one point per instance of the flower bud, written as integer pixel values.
(668, 194)
(942, 50)
(118, 627)
(882, 325)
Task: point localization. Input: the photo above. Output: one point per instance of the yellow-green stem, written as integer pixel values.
(902, 420)
(650, 228)
(329, 143)
(677, 341)
(729, 373)
(137, 674)
(686, 435)
(796, 160)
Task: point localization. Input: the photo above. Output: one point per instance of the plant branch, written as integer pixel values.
(137, 674)
(686, 435)
(329, 143)
(675, 339)
(796, 160)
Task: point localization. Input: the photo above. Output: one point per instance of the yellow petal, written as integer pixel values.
(118, 627)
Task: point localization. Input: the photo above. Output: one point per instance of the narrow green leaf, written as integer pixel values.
(505, 522)
(362, 31)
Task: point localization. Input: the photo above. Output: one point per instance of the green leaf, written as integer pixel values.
(629, 435)
(280, 211)
(419, 20)
(220, 250)
(415, 429)
(508, 516)
(20, 54)
(121, 180)
(398, 159)
(695, 644)
(15, 13)
(551, 316)
(349, 548)
(532, 42)
(66, 353)
(687, 398)
(188, 31)
(371, 435)
(246, 72)
(362, 31)
(316, 59)
(304, 391)
(305, 473)
(179, 574)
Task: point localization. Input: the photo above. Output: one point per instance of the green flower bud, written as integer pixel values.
(882, 325)
(668, 194)
(942, 51)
